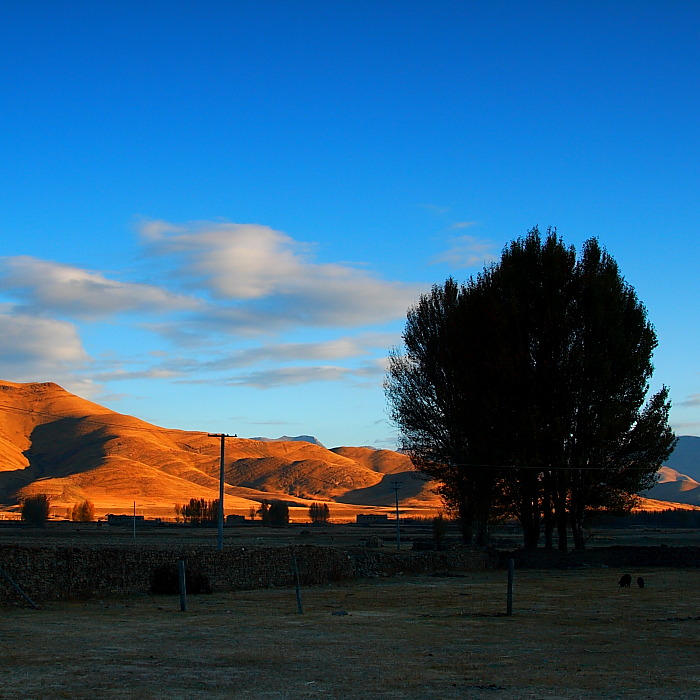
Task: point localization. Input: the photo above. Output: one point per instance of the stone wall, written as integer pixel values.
(57, 572)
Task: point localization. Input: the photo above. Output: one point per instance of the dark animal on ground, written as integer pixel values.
(640, 582)
(625, 581)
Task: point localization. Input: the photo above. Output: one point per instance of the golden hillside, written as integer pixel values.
(54, 442)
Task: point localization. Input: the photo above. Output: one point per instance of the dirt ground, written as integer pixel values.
(573, 634)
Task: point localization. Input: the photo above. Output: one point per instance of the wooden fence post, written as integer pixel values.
(511, 574)
(297, 584)
(183, 585)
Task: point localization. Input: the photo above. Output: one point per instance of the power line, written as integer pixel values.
(536, 467)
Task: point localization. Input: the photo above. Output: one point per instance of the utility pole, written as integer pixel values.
(223, 437)
(396, 486)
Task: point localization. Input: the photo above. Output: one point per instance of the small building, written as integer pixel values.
(235, 519)
(371, 519)
(123, 519)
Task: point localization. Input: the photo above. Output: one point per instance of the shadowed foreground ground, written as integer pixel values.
(574, 634)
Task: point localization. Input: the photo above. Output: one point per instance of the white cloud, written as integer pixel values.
(44, 286)
(337, 349)
(285, 376)
(692, 400)
(243, 281)
(224, 360)
(266, 378)
(125, 374)
(232, 261)
(467, 251)
(38, 341)
(41, 350)
(264, 280)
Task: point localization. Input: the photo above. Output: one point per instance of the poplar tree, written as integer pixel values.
(522, 391)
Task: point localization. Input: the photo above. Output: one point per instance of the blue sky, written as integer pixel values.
(214, 215)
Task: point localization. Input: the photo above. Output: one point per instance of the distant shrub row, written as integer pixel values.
(273, 512)
(670, 517)
(36, 510)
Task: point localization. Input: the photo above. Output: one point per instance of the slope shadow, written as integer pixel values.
(383, 493)
(58, 449)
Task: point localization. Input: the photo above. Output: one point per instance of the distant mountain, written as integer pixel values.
(286, 438)
(679, 478)
(54, 442)
(686, 457)
(675, 487)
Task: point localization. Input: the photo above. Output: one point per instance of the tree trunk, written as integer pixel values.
(548, 510)
(483, 533)
(466, 520)
(560, 515)
(548, 530)
(530, 520)
(562, 534)
(483, 495)
(577, 528)
(530, 508)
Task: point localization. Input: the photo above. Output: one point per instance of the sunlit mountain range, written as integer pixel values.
(56, 443)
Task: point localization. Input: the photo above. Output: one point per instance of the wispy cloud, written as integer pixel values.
(286, 376)
(467, 251)
(221, 288)
(692, 400)
(43, 286)
(120, 374)
(263, 280)
(336, 349)
(278, 363)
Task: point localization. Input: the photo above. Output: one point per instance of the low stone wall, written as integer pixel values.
(55, 572)
(368, 563)
(615, 556)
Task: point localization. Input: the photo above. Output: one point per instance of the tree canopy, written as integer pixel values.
(319, 513)
(36, 509)
(83, 512)
(522, 391)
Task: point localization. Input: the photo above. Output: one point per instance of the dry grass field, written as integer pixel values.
(574, 634)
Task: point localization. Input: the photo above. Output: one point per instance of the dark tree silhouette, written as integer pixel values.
(199, 511)
(319, 513)
(36, 509)
(274, 513)
(523, 390)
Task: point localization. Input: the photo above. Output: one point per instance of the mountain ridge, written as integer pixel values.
(54, 442)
